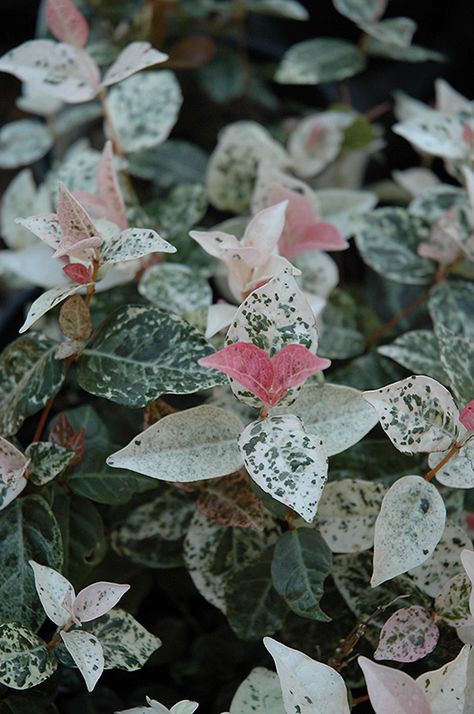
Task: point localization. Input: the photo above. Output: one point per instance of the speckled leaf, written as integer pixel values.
(307, 685)
(394, 31)
(23, 142)
(28, 530)
(418, 351)
(230, 501)
(190, 445)
(286, 462)
(433, 202)
(388, 239)
(452, 601)
(301, 563)
(144, 109)
(175, 288)
(24, 660)
(139, 353)
(29, 376)
(48, 460)
(458, 472)
(457, 358)
(325, 59)
(448, 689)
(418, 414)
(181, 209)
(451, 304)
(392, 691)
(136, 56)
(134, 243)
(232, 168)
(174, 162)
(408, 528)
(434, 133)
(407, 636)
(259, 693)
(74, 318)
(361, 11)
(47, 301)
(338, 324)
(347, 513)
(86, 651)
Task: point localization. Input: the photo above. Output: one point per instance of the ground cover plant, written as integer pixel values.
(232, 466)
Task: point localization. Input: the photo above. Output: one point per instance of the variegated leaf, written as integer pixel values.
(134, 243)
(175, 288)
(23, 142)
(136, 56)
(259, 693)
(47, 301)
(48, 460)
(449, 688)
(125, 643)
(407, 636)
(25, 660)
(87, 653)
(66, 22)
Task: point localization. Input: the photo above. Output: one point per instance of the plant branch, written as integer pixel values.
(452, 452)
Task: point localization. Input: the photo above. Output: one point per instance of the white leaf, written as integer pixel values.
(52, 589)
(317, 140)
(436, 134)
(319, 273)
(35, 265)
(307, 685)
(191, 445)
(21, 198)
(446, 687)
(134, 243)
(47, 228)
(417, 414)
(47, 301)
(13, 465)
(136, 56)
(286, 462)
(259, 693)
(219, 316)
(408, 528)
(392, 691)
(86, 651)
(341, 206)
(22, 142)
(458, 472)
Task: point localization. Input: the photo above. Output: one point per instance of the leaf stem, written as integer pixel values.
(57, 637)
(452, 452)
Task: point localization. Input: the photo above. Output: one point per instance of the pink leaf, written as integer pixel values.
(408, 635)
(97, 599)
(292, 365)
(66, 22)
(467, 416)
(392, 691)
(137, 56)
(78, 273)
(75, 222)
(247, 363)
(13, 463)
(109, 188)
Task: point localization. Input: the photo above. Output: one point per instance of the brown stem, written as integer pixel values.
(91, 288)
(118, 149)
(43, 420)
(453, 450)
(377, 111)
(360, 700)
(57, 637)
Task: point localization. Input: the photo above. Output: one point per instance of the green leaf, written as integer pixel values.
(325, 59)
(182, 209)
(93, 479)
(28, 531)
(25, 660)
(22, 142)
(340, 337)
(29, 376)
(388, 239)
(175, 288)
(367, 372)
(259, 693)
(436, 200)
(358, 135)
(397, 31)
(139, 353)
(301, 563)
(223, 79)
(254, 609)
(413, 53)
(418, 351)
(85, 417)
(126, 644)
(174, 162)
(48, 460)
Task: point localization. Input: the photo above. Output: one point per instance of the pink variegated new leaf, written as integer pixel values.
(13, 463)
(97, 599)
(408, 635)
(67, 23)
(79, 235)
(467, 416)
(78, 273)
(292, 366)
(392, 691)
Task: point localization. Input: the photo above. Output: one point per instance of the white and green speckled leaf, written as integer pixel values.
(87, 653)
(190, 445)
(47, 301)
(434, 201)
(286, 462)
(458, 472)
(342, 206)
(307, 685)
(125, 643)
(259, 693)
(325, 59)
(347, 513)
(48, 460)
(29, 376)
(134, 243)
(25, 660)
(397, 31)
(449, 688)
(175, 288)
(181, 209)
(140, 353)
(435, 134)
(233, 165)
(452, 601)
(413, 53)
(144, 108)
(23, 142)
(417, 413)
(334, 413)
(388, 239)
(362, 12)
(418, 351)
(408, 528)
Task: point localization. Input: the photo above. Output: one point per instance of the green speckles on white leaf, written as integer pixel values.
(23, 142)
(47, 301)
(286, 462)
(25, 661)
(175, 288)
(408, 528)
(259, 693)
(418, 414)
(86, 651)
(134, 243)
(325, 59)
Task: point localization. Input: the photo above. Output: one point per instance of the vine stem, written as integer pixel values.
(43, 419)
(360, 700)
(453, 450)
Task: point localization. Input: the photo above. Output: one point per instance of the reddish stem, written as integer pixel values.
(453, 450)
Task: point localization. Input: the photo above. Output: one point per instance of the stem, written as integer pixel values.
(91, 288)
(359, 700)
(43, 419)
(57, 637)
(453, 450)
(377, 111)
(118, 149)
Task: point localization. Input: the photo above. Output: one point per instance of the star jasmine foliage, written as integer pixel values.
(236, 394)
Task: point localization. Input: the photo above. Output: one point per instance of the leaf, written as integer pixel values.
(48, 460)
(418, 414)
(13, 464)
(230, 501)
(361, 12)
(21, 198)
(126, 644)
(339, 327)
(175, 288)
(134, 243)
(171, 163)
(432, 203)
(259, 693)
(29, 376)
(325, 59)
(23, 142)
(25, 660)
(223, 79)
(47, 301)
(136, 56)
(452, 601)
(86, 651)
(388, 239)
(435, 134)
(413, 53)
(28, 530)
(192, 445)
(144, 108)
(63, 434)
(347, 513)
(407, 636)
(253, 607)
(66, 22)
(55, 69)
(392, 691)
(458, 472)
(395, 31)
(408, 528)
(301, 563)
(162, 360)
(183, 207)
(286, 462)
(74, 318)
(418, 351)
(55, 593)
(447, 689)
(307, 685)
(281, 8)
